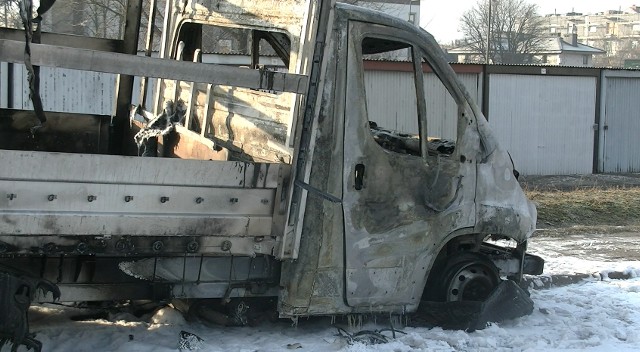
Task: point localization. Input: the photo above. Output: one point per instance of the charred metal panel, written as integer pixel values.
(621, 122)
(34, 196)
(186, 144)
(109, 196)
(286, 16)
(251, 121)
(25, 165)
(502, 208)
(406, 205)
(395, 227)
(557, 137)
(97, 278)
(82, 59)
(403, 212)
(314, 282)
(258, 124)
(68, 133)
(267, 14)
(220, 239)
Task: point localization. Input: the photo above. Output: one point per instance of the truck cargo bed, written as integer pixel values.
(90, 203)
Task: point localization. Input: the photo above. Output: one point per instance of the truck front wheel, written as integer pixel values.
(464, 291)
(466, 276)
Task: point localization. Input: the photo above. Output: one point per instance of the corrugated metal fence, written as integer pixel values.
(565, 120)
(546, 122)
(553, 120)
(61, 90)
(620, 127)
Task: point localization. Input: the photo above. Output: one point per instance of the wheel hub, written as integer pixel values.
(473, 282)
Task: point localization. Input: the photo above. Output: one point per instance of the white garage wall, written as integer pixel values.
(545, 122)
(619, 132)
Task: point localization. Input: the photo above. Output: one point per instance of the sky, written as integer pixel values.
(441, 18)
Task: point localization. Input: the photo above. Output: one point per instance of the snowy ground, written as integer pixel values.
(591, 315)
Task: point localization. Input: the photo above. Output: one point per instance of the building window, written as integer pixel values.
(585, 59)
(636, 27)
(412, 17)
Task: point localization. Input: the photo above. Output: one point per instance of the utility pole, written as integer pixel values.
(6, 13)
(489, 32)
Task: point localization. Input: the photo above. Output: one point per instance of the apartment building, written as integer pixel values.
(617, 32)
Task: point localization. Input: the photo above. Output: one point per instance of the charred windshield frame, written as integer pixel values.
(386, 41)
(191, 33)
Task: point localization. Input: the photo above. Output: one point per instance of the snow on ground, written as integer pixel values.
(591, 316)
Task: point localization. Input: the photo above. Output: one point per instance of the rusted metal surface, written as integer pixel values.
(251, 122)
(189, 145)
(18, 291)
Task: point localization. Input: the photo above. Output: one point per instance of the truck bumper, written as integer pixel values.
(533, 265)
(507, 301)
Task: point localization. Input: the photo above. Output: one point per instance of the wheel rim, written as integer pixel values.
(472, 282)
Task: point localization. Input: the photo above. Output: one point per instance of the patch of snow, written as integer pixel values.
(168, 315)
(592, 315)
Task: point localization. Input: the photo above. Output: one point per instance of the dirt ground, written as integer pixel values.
(575, 204)
(588, 217)
(573, 182)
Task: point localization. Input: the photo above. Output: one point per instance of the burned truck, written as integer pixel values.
(246, 180)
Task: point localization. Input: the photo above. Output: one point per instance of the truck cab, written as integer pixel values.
(409, 200)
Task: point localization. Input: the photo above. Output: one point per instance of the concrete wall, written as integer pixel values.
(568, 59)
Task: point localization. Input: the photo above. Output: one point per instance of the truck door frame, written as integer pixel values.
(394, 222)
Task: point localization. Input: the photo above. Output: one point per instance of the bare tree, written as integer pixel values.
(516, 35)
(379, 5)
(625, 49)
(375, 5)
(10, 14)
(105, 18)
